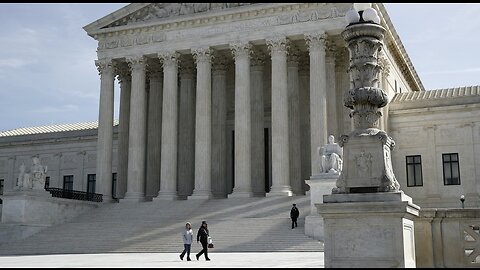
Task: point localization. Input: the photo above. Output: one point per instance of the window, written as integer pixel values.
(414, 171)
(47, 182)
(68, 182)
(91, 179)
(114, 185)
(1, 189)
(451, 169)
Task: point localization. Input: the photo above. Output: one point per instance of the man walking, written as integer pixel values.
(294, 213)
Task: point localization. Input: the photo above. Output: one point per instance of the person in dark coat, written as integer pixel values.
(294, 213)
(202, 236)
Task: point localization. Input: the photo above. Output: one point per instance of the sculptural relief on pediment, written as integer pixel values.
(166, 10)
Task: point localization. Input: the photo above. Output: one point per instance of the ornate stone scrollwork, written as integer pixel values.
(257, 59)
(316, 41)
(169, 58)
(241, 49)
(278, 45)
(201, 55)
(293, 55)
(136, 62)
(123, 72)
(104, 66)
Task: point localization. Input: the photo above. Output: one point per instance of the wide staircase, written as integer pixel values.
(235, 224)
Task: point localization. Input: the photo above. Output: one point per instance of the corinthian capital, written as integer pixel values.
(316, 41)
(123, 72)
(201, 55)
(278, 45)
(104, 66)
(257, 59)
(293, 55)
(219, 62)
(136, 62)
(241, 49)
(169, 58)
(154, 70)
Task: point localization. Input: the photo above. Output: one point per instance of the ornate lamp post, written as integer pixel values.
(462, 199)
(368, 166)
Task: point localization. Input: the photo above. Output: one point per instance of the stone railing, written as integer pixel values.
(448, 238)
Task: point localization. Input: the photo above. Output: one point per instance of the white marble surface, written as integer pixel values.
(170, 260)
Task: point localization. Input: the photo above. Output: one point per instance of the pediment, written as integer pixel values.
(151, 12)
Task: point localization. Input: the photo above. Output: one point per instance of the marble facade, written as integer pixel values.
(191, 126)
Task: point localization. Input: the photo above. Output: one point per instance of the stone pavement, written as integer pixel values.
(169, 260)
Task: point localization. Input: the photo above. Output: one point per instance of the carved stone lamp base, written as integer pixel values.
(367, 163)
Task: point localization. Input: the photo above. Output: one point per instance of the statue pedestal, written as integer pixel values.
(38, 207)
(366, 230)
(320, 184)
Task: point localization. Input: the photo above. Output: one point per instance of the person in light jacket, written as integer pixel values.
(187, 236)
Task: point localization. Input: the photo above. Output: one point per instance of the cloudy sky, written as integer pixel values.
(48, 76)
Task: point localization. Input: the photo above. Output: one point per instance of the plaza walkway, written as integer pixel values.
(168, 260)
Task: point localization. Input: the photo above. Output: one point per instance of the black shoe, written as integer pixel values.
(197, 256)
(181, 258)
(207, 259)
(188, 259)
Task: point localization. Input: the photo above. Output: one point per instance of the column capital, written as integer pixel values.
(315, 41)
(219, 64)
(384, 64)
(169, 58)
(202, 55)
(104, 66)
(330, 49)
(278, 44)
(136, 62)
(241, 49)
(304, 64)
(154, 70)
(187, 68)
(257, 59)
(123, 72)
(293, 55)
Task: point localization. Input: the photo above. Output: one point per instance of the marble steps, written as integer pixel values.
(254, 224)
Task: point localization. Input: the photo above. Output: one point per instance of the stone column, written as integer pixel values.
(243, 122)
(331, 98)
(154, 134)
(105, 129)
(345, 123)
(203, 125)
(168, 171)
(304, 96)
(280, 135)
(258, 142)
(186, 132)
(125, 79)
(296, 180)
(318, 89)
(137, 131)
(219, 131)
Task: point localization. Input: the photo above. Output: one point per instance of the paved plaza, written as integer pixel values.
(168, 260)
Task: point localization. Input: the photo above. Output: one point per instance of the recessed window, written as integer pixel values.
(68, 182)
(414, 171)
(91, 180)
(451, 169)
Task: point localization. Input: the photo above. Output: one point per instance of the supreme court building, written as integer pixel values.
(232, 100)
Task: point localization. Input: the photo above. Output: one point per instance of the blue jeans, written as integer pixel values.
(186, 249)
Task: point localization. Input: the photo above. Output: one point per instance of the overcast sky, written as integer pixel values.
(48, 76)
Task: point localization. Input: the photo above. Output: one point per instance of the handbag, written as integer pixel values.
(210, 242)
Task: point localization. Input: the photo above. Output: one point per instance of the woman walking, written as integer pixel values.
(187, 236)
(202, 235)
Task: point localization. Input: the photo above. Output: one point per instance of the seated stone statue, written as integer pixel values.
(23, 180)
(331, 157)
(38, 174)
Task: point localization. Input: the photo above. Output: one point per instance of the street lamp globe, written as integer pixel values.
(370, 14)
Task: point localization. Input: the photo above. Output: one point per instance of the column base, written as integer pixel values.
(241, 194)
(133, 197)
(169, 196)
(203, 195)
(280, 191)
